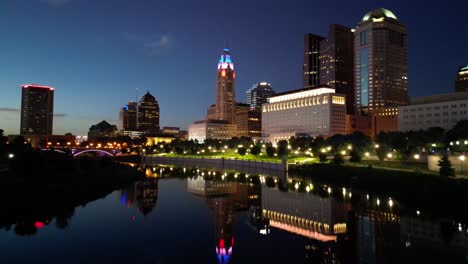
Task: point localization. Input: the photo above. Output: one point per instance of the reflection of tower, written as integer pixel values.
(146, 195)
(223, 220)
(127, 195)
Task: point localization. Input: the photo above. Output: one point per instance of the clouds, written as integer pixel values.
(151, 45)
(55, 2)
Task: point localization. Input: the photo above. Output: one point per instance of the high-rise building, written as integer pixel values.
(336, 57)
(259, 94)
(248, 121)
(128, 118)
(461, 83)
(381, 64)
(37, 109)
(311, 67)
(148, 114)
(225, 108)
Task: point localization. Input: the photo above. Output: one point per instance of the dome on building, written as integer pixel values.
(148, 98)
(379, 13)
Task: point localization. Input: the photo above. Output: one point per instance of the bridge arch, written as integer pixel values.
(107, 153)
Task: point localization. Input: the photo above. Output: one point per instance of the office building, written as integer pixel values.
(248, 121)
(443, 110)
(211, 129)
(259, 94)
(128, 117)
(315, 111)
(37, 109)
(336, 58)
(461, 82)
(311, 66)
(148, 114)
(225, 107)
(380, 62)
(101, 130)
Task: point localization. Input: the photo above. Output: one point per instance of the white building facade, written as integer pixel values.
(444, 110)
(311, 111)
(211, 129)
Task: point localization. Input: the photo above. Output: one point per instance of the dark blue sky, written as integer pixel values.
(97, 52)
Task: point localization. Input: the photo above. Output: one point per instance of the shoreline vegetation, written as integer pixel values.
(42, 186)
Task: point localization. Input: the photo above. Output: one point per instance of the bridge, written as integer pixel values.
(81, 151)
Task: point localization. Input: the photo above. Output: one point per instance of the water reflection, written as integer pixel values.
(295, 219)
(142, 193)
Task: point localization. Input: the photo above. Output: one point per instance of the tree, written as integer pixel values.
(256, 150)
(459, 131)
(338, 159)
(382, 151)
(283, 148)
(356, 156)
(445, 165)
(322, 157)
(242, 151)
(270, 150)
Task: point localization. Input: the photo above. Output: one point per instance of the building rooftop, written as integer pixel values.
(439, 98)
(37, 86)
(301, 93)
(463, 70)
(379, 13)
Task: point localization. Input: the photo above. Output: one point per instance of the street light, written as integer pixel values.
(416, 156)
(11, 155)
(462, 158)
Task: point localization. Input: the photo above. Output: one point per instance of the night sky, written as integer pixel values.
(97, 52)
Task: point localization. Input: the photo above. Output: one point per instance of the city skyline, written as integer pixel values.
(99, 63)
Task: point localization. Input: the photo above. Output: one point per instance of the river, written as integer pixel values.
(180, 215)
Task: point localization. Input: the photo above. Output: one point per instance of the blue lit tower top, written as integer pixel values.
(225, 62)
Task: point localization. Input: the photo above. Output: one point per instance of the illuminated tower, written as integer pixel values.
(225, 108)
(380, 62)
(37, 109)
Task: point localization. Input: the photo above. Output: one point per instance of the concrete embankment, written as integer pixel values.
(248, 166)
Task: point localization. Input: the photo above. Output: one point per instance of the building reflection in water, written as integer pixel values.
(143, 194)
(223, 198)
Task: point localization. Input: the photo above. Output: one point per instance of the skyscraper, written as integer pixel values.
(148, 114)
(381, 65)
(461, 83)
(128, 118)
(225, 107)
(337, 63)
(311, 67)
(259, 94)
(37, 109)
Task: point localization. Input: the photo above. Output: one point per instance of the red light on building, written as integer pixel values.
(234, 75)
(39, 225)
(36, 86)
(223, 73)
